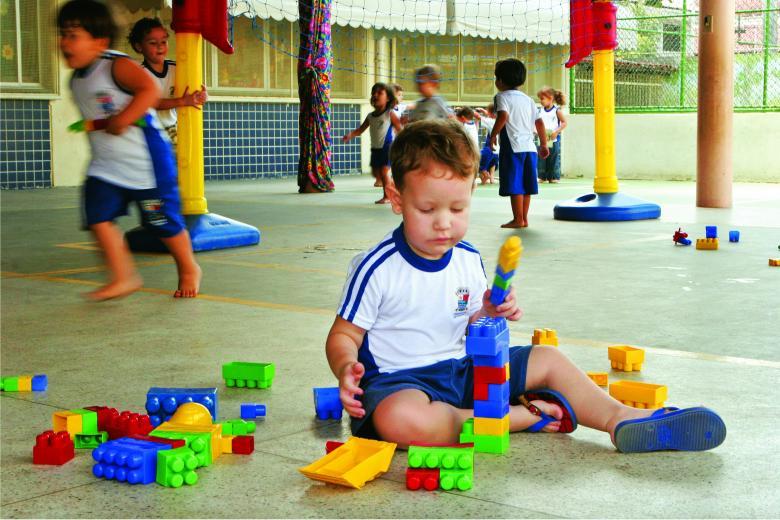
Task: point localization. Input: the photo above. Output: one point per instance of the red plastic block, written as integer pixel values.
(174, 443)
(104, 415)
(481, 392)
(417, 478)
(243, 444)
(332, 445)
(127, 423)
(53, 448)
(490, 375)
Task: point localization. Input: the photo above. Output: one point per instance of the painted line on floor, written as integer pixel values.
(278, 267)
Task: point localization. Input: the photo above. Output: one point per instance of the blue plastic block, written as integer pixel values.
(506, 276)
(161, 403)
(684, 241)
(491, 409)
(487, 337)
(498, 393)
(497, 294)
(497, 361)
(207, 232)
(127, 460)
(327, 403)
(252, 410)
(41, 382)
(733, 237)
(603, 207)
(712, 231)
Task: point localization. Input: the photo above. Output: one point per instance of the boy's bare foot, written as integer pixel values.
(512, 225)
(116, 289)
(189, 283)
(554, 181)
(553, 410)
(524, 224)
(377, 183)
(383, 200)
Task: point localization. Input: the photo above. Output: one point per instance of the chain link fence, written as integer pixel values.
(656, 63)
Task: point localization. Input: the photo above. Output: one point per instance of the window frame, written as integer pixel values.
(48, 69)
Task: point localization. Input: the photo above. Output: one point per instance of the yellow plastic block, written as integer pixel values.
(227, 443)
(487, 426)
(600, 378)
(774, 262)
(195, 418)
(25, 383)
(545, 337)
(353, 463)
(708, 244)
(625, 358)
(639, 395)
(67, 421)
(191, 413)
(509, 255)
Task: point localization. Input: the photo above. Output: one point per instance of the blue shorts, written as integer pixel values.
(450, 381)
(380, 157)
(518, 173)
(160, 208)
(487, 159)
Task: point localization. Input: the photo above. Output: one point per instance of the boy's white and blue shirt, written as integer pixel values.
(415, 311)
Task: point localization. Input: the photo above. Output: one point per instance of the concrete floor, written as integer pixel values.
(708, 320)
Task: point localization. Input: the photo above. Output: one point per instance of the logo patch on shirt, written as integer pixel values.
(106, 102)
(463, 300)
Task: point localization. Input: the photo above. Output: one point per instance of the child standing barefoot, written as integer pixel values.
(129, 163)
(488, 159)
(517, 117)
(381, 123)
(149, 38)
(554, 122)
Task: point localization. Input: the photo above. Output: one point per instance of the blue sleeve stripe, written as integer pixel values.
(367, 276)
(357, 273)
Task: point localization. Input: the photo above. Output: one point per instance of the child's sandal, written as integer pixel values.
(569, 419)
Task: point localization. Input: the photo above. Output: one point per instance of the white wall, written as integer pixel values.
(663, 146)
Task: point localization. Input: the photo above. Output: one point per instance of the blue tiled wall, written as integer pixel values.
(256, 140)
(25, 144)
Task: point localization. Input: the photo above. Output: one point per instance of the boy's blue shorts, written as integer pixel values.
(518, 173)
(450, 381)
(487, 159)
(380, 157)
(160, 208)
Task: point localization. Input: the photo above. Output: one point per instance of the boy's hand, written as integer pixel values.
(190, 100)
(349, 379)
(346, 138)
(115, 126)
(508, 309)
(544, 152)
(553, 136)
(493, 142)
(201, 96)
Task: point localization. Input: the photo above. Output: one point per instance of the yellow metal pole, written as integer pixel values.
(605, 179)
(189, 151)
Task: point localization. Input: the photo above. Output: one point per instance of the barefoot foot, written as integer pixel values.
(553, 410)
(383, 200)
(116, 289)
(189, 283)
(512, 224)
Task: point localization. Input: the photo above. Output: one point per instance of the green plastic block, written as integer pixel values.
(500, 282)
(491, 443)
(176, 467)
(441, 457)
(238, 427)
(88, 441)
(467, 432)
(454, 479)
(198, 443)
(88, 421)
(248, 375)
(11, 384)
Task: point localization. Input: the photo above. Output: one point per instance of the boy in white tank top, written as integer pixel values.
(131, 157)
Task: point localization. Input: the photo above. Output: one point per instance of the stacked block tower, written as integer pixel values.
(488, 345)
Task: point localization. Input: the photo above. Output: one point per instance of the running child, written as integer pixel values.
(554, 122)
(381, 122)
(130, 162)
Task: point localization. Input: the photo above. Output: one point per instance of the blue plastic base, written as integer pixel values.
(207, 232)
(598, 207)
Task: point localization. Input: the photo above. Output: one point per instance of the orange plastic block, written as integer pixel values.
(25, 383)
(353, 463)
(638, 395)
(625, 358)
(708, 244)
(545, 337)
(67, 421)
(600, 378)
(774, 262)
(227, 443)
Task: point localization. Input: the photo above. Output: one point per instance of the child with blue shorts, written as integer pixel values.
(397, 343)
(131, 162)
(516, 119)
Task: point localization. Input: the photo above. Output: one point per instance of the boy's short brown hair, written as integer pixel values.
(442, 141)
(427, 73)
(466, 113)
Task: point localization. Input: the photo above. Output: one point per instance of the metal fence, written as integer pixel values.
(656, 63)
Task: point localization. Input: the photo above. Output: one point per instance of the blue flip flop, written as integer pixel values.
(690, 429)
(569, 419)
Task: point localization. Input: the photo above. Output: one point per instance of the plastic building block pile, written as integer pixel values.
(440, 466)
